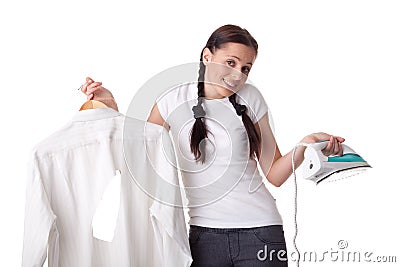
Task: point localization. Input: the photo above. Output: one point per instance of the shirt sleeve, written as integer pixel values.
(256, 105)
(39, 219)
(167, 215)
(163, 105)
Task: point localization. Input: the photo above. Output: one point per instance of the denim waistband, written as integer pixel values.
(229, 230)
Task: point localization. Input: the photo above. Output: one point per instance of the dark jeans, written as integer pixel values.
(258, 246)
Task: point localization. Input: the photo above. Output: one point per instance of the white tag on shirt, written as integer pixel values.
(105, 218)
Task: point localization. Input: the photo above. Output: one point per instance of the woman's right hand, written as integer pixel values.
(95, 91)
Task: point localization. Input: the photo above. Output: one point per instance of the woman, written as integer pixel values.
(221, 131)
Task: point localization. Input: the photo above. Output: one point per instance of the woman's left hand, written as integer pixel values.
(333, 147)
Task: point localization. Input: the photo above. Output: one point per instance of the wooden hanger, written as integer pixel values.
(92, 104)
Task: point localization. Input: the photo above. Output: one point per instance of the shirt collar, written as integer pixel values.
(95, 114)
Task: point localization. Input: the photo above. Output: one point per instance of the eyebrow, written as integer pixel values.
(240, 59)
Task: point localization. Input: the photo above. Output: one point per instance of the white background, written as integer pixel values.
(331, 66)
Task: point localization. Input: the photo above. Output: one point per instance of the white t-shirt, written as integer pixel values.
(226, 191)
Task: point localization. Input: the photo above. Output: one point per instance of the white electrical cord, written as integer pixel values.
(295, 203)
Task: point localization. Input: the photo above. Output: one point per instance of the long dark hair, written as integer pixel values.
(222, 35)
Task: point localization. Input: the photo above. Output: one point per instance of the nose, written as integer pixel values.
(236, 75)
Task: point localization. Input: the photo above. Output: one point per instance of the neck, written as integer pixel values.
(210, 92)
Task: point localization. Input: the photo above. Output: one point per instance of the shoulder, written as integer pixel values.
(174, 97)
(52, 142)
(179, 92)
(250, 96)
(249, 91)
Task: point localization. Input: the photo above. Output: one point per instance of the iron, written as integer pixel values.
(318, 167)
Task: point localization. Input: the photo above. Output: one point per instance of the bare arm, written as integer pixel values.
(155, 117)
(277, 168)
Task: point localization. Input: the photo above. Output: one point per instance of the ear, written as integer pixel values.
(207, 56)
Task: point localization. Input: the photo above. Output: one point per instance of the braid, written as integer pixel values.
(199, 130)
(224, 34)
(254, 138)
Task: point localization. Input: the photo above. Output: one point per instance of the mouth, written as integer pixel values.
(229, 84)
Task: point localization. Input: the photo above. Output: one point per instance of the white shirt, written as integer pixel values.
(69, 172)
(227, 190)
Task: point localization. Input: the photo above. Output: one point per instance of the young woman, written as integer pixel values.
(221, 131)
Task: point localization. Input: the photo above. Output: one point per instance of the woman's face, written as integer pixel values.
(227, 69)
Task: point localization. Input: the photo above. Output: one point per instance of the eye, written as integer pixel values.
(231, 63)
(245, 70)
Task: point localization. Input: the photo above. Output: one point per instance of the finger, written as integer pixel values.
(92, 88)
(90, 96)
(335, 147)
(328, 149)
(332, 140)
(339, 139)
(84, 86)
(93, 85)
(340, 153)
(322, 136)
(95, 89)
